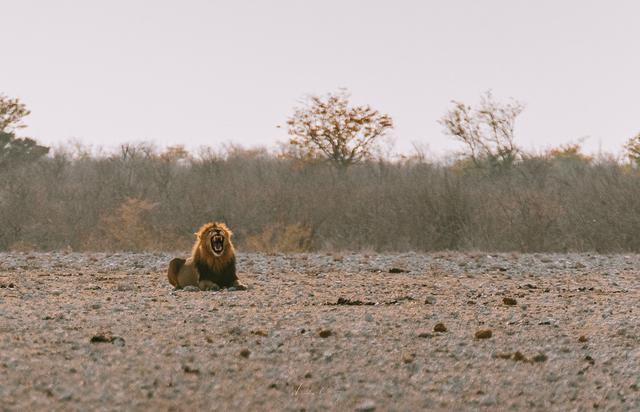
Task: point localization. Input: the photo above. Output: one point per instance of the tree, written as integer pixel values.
(633, 149)
(12, 111)
(487, 131)
(14, 150)
(329, 128)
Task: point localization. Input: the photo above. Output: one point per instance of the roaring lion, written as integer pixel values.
(212, 264)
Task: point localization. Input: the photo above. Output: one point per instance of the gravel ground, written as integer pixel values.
(322, 332)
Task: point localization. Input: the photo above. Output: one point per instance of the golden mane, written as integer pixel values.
(200, 252)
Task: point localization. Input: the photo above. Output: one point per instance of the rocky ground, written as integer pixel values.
(359, 332)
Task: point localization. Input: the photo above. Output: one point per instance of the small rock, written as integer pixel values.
(189, 369)
(366, 406)
(540, 357)
(439, 327)
(191, 288)
(548, 321)
(107, 337)
(352, 302)
(397, 270)
(325, 333)
(484, 334)
(245, 353)
(509, 301)
(430, 300)
(582, 339)
(236, 330)
(408, 357)
(519, 357)
(124, 287)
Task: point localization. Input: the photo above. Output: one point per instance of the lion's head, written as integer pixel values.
(214, 239)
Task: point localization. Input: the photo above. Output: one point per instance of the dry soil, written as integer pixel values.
(450, 331)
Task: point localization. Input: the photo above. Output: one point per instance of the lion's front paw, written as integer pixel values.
(208, 285)
(239, 286)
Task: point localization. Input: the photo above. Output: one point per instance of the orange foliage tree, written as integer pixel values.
(330, 128)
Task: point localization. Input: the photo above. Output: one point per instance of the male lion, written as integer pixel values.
(212, 264)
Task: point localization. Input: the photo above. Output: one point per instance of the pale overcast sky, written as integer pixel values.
(210, 72)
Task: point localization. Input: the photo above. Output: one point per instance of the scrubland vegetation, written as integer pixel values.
(328, 188)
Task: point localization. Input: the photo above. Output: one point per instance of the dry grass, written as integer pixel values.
(142, 199)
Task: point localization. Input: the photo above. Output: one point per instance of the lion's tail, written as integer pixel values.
(174, 269)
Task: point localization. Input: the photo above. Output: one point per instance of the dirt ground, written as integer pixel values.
(347, 331)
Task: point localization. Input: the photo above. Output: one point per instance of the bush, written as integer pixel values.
(145, 199)
(293, 238)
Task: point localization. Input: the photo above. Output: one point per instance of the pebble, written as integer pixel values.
(540, 357)
(366, 406)
(107, 337)
(440, 327)
(484, 334)
(408, 357)
(509, 301)
(519, 357)
(325, 333)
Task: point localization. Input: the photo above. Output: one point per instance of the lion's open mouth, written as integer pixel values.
(217, 244)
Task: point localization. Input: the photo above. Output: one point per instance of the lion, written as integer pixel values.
(212, 264)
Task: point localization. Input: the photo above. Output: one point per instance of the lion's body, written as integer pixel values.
(206, 269)
(182, 273)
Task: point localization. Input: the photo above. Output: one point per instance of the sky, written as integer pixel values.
(220, 72)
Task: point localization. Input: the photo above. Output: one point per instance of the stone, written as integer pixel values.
(509, 301)
(366, 406)
(484, 334)
(440, 327)
(325, 333)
